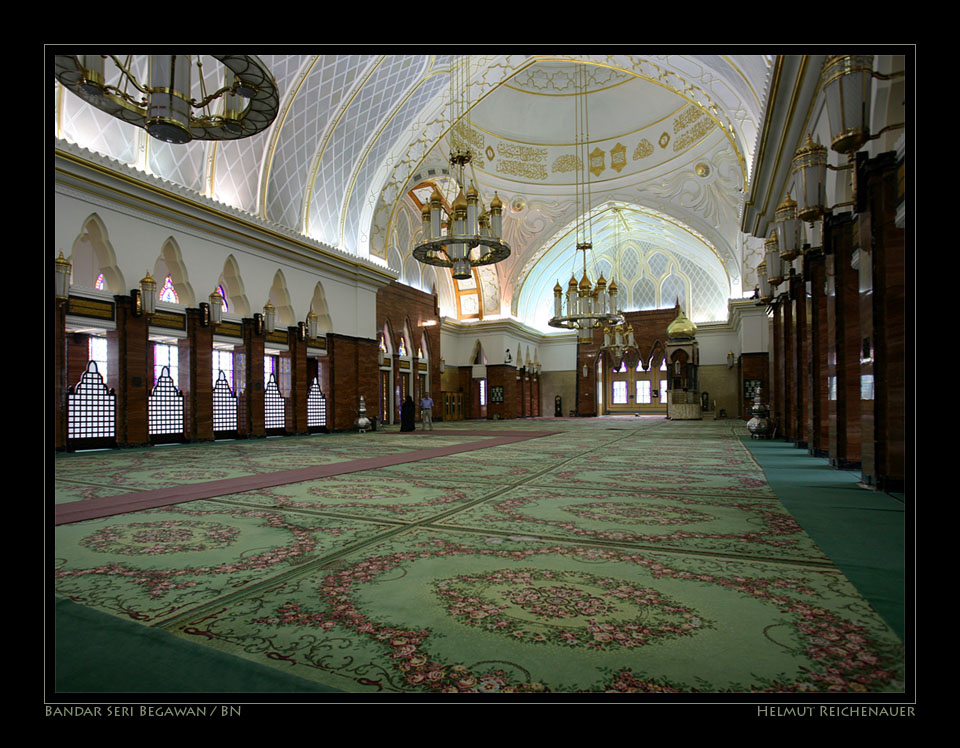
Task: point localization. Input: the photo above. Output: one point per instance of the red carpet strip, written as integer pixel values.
(109, 506)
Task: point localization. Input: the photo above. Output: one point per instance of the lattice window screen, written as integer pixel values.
(224, 405)
(165, 406)
(316, 405)
(91, 407)
(273, 405)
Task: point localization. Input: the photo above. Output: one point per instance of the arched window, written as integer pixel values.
(168, 293)
(223, 292)
(99, 285)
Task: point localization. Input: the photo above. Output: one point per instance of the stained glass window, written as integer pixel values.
(168, 293)
(403, 347)
(223, 293)
(269, 367)
(99, 285)
(483, 391)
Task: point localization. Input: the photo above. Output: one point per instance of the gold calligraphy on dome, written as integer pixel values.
(565, 163)
(522, 161)
(690, 125)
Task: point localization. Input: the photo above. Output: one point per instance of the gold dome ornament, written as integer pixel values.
(681, 328)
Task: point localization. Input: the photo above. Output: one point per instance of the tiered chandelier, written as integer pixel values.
(162, 104)
(467, 235)
(619, 345)
(587, 306)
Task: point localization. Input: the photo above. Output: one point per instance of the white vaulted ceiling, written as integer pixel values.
(355, 134)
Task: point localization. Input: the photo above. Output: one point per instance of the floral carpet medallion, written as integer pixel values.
(155, 538)
(360, 495)
(150, 565)
(740, 527)
(585, 474)
(437, 613)
(570, 608)
(631, 514)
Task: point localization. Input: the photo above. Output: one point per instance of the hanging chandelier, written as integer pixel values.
(466, 235)
(619, 345)
(587, 306)
(246, 102)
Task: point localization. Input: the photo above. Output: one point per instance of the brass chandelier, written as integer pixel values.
(619, 345)
(467, 235)
(246, 103)
(587, 306)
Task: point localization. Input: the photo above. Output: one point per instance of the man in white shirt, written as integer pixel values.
(426, 412)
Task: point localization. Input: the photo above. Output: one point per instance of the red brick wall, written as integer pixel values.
(354, 371)
(399, 305)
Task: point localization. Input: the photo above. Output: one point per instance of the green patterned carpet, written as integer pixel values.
(622, 555)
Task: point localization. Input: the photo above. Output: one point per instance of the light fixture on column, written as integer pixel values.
(586, 307)
(846, 81)
(313, 325)
(766, 292)
(145, 297)
(62, 270)
(216, 307)
(466, 236)
(163, 103)
(810, 180)
(788, 228)
(776, 271)
(269, 317)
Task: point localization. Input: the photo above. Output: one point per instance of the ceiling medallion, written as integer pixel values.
(246, 103)
(465, 235)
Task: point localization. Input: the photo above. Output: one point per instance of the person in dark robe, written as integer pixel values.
(407, 412)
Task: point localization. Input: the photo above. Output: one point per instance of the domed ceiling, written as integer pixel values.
(359, 139)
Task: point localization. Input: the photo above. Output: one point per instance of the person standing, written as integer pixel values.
(407, 415)
(426, 412)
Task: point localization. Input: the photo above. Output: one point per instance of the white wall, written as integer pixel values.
(138, 238)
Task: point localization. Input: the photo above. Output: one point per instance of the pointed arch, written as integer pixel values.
(232, 283)
(170, 262)
(92, 255)
(658, 354)
(280, 298)
(424, 351)
(386, 339)
(318, 305)
(406, 345)
(479, 357)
